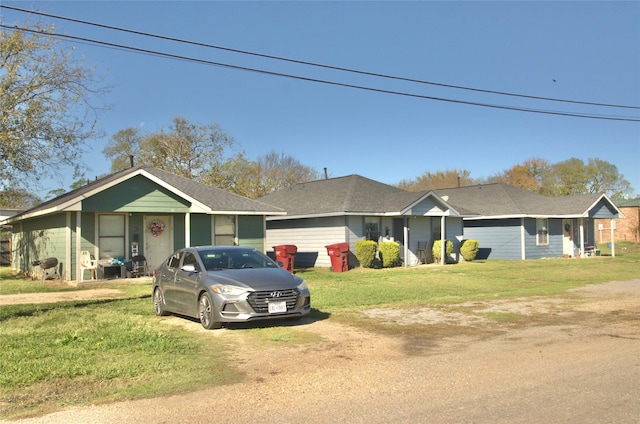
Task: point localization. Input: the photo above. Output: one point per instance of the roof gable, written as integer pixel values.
(197, 196)
(352, 194)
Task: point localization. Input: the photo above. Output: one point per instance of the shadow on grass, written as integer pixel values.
(31, 309)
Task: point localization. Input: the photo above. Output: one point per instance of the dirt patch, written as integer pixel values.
(52, 297)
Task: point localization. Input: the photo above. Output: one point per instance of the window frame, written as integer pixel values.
(542, 231)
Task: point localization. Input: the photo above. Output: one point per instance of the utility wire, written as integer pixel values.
(338, 68)
(302, 78)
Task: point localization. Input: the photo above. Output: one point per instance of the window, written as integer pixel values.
(372, 228)
(224, 230)
(542, 232)
(111, 231)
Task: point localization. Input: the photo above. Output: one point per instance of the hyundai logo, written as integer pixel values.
(276, 294)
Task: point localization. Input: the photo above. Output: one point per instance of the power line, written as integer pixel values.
(338, 68)
(308, 79)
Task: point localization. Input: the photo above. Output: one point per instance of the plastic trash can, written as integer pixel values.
(286, 253)
(339, 254)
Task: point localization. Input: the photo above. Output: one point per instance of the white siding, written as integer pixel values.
(310, 236)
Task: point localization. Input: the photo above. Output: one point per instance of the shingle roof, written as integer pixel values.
(489, 200)
(213, 198)
(357, 194)
(349, 194)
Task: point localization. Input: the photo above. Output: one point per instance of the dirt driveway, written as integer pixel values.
(571, 359)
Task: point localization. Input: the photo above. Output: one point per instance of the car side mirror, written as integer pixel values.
(189, 268)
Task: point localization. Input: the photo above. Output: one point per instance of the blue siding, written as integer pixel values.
(551, 250)
(603, 210)
(498, 238)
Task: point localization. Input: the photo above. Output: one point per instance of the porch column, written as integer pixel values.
(443, 242)
(187, 229)
(406, 241)
(523, 252)
(78, 242)
(581, 238)
(612, 226)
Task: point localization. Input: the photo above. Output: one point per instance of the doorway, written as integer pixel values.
(158, 238)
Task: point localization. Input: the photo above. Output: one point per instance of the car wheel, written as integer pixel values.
(158, 302)
(205, 312)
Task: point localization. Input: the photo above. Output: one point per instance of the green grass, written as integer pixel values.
(83, 352)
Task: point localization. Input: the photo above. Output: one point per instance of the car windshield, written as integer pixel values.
(219, 259)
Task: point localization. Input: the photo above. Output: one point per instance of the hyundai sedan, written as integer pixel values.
(222, 284)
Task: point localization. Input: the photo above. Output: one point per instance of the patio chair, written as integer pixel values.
(88, 262)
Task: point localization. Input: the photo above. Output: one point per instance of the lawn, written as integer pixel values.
(82, 352)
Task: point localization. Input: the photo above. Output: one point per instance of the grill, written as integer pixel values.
(49, 268)
(259, 301)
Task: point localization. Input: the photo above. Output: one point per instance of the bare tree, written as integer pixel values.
(45, 105)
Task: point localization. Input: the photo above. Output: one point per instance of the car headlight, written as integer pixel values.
(303, 286)
(227, 290)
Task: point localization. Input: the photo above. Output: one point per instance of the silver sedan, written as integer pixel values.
(221, 284)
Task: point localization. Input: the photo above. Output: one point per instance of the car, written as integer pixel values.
(227, 284)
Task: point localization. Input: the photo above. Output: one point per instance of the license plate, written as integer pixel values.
(278, 306)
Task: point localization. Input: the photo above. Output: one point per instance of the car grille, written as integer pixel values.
(259, 301)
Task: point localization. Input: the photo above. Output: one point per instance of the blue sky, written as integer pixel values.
(590, 49)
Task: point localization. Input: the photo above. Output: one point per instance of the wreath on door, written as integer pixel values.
(156, 227)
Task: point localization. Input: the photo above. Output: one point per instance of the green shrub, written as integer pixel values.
(390, 254)
(437, 246)
(469, 249)
(366, 252)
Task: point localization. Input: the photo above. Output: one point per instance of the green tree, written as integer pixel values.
(573, 176)
(45, 105)
(125, 144)
(18, 198)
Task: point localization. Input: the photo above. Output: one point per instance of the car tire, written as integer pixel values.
(205, 312)
(158, 302)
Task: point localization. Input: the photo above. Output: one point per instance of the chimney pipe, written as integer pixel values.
(131, 160)
(326, 176)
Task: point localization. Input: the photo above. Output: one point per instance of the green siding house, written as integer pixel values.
(137, 211)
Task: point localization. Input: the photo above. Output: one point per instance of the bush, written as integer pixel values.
(437, 247)
(366, 252)
(390, 254)
(469, 249)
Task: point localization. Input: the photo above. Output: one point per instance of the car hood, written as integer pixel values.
(255, 278)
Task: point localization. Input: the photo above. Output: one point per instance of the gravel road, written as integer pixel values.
(574, 359)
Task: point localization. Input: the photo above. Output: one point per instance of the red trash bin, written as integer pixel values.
(285, 254)
(339, 254)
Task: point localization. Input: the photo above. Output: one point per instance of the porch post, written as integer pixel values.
(187, 229)
(406, 241)
(581, 238)
(443, 245)
(523, 252)
(78, 242)
(612, 225)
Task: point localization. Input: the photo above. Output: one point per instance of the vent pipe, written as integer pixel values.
(326, 176)
(131, 160)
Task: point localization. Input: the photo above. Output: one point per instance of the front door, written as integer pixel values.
(158, 239)
(567, 237)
